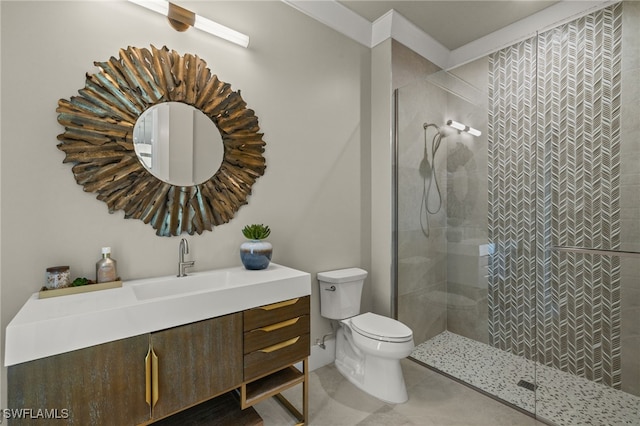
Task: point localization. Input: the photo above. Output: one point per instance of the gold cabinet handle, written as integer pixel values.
(279, 325)
(155, 394)
(280, 345)
(279, 304)
(147, 377)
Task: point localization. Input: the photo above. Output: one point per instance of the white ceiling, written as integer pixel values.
(453, 23)
(449, 33)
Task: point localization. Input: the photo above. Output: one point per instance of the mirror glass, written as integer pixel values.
(178, 143)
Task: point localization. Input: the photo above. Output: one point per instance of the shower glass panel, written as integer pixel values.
(518, 251)
(443, 241)
(588, 219)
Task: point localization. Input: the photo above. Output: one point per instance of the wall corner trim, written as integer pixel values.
(336, 16)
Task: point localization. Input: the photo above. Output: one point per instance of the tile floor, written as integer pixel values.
(433, 400)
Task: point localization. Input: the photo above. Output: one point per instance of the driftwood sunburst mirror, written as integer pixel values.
(99, 139)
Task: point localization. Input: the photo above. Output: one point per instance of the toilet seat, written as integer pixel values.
(381, 328)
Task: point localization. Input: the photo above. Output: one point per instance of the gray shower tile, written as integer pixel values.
(630, 367)
(630, 273)
(630, 35)
(424, 312)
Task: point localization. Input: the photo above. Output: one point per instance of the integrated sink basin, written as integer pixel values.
(237, 280)
(176, 286)
(45, 327)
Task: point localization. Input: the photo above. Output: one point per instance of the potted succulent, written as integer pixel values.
(256, 253)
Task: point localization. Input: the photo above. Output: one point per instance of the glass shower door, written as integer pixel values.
(443, 242)
(588, 326)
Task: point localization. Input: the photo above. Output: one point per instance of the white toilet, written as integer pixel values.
(369, 346)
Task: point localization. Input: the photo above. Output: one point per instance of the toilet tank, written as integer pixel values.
(340, 292)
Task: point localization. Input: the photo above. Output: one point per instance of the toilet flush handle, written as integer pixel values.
(332, 288)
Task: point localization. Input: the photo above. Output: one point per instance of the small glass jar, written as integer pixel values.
(58, 277)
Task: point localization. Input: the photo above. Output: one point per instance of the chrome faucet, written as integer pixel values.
(182, 250)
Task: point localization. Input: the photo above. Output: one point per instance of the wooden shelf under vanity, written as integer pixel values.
(268, 386)
(220, 411)
(273, 384)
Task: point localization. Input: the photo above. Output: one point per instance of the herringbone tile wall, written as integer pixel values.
(554, 174)
(512, 198)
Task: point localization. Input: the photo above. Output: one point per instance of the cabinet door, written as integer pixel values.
(100, 385)
(196, 362)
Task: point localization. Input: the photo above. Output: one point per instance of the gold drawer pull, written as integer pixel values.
(279, 304)
(279, 325)
(151, 377)
(280, 345)
(154, 379)
(147, 375)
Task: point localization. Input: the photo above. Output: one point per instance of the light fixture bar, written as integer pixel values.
(211, 27)
(158, 6)
(201, 23)
(456, 125)
(464, 128)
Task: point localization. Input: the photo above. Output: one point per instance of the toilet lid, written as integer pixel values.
(381, 328)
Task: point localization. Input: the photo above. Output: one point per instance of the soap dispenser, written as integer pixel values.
(106, 267)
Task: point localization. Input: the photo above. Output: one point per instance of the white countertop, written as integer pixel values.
(45, 327)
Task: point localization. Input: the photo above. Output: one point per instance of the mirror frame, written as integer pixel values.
(98, 139)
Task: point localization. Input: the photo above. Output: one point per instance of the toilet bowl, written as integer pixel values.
(369, 346)
(370, 358)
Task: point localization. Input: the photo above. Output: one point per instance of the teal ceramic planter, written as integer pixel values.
(256, 254)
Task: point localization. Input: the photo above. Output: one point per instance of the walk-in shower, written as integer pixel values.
(518, 250)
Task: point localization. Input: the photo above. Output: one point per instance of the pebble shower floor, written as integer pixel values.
(560, 398)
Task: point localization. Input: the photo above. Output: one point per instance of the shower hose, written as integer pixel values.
(429, 179)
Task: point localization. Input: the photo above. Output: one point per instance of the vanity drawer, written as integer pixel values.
(277, 312)
(272, 334)
(275, 357)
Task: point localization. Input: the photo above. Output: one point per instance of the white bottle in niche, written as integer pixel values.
(106, 267)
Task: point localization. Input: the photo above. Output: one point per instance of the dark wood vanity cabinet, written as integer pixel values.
(195, 362)
(102, 384)
(135, 380)
(275, 336)
(142, 379)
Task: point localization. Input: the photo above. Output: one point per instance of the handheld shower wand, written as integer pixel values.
(425, 167)
(428, 173)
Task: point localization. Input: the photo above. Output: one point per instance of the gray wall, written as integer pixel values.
(421, 260)
(308, 85)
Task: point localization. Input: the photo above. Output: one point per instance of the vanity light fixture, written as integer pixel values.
(181, 19)
(464, 128)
